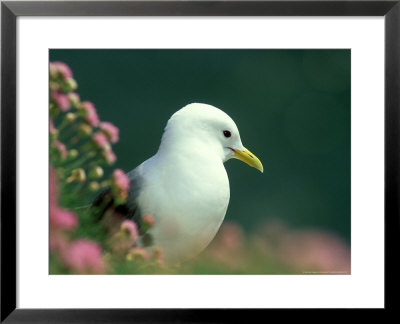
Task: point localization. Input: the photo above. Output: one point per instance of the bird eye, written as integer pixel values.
(227, 133)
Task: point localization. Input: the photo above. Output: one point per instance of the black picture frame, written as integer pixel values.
(10, 10)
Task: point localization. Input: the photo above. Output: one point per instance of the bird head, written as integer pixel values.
(208, 129)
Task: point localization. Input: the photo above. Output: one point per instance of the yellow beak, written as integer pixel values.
(247, 157)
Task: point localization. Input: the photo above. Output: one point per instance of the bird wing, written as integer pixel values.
(130, 210)
(136, 183)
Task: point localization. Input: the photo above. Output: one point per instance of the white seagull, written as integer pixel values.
(184, 186)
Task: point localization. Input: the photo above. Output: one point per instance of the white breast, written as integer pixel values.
(188, 196)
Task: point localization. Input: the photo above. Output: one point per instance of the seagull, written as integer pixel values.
(185, 186)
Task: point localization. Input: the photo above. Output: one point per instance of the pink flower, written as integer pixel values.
(52, 129)
(229, 247)
(109, 157)
(125, 238)
(101, 141)
(137, 253)
(121, 180)
(53, 192)
(63, 218)
(74, 98)
(130, 227)
(90, 113)
(61, 100)
(57, 241)
(231, 236)
(53, 70)
(61, 148)
(61, 68)
(84, 256)
(110, 131)
(148, 220)
(315, 250)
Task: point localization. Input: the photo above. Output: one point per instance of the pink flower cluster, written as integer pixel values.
(306, 250)
(110, 131)
(120, 185)
(61, 100)
(80, 256)
(90, 113)
(100, 140)
(61, 82)
(81, 118)
(60, 69)
(294, 250)
(61, 149)
(121, 180)
(229, 246)
(52, 129)
(148, 220)
(315, 250)
(131, 229)
(124, 243)
(123, 240)
(110, 157)
(63, 218)
(137, 253)
(84, 257)
(80, 145)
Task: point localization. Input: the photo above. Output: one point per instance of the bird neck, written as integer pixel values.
(189, 149)
(199, 166)
(180, 142)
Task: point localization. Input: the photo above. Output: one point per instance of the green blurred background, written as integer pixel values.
(292, 108)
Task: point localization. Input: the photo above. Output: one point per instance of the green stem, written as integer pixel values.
(80, 162)
(67, 132)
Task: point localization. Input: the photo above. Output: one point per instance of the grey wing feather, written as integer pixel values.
(131, 209)
(136, 183)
